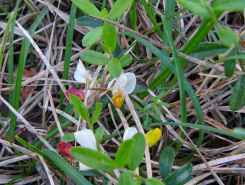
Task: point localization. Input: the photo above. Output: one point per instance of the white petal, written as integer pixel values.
(80, 73)
(86, 138)
(123, 79)
(83, 167)
(131, 82)
(129, 133)
(116, 88)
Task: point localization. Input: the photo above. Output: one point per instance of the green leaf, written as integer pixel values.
(237, 100)
(87, 7)
(196, 6)
(166, 161)
(124, 152)
(109, 37)
(93, 57)
(65, 167)
(92, 36)
(104, 12)
(114, 67)
(180, 176)
(118, 8)
(229, 5)
(93, 158)
(99, 133)
(137, 153)
(154, 181)
(230, 67)
(125, 60)
(97, 112)
(89, 21)
(27, 145)
(228, 37)
(68, 137)
(208, 49)
(80, 107)
(125, 179)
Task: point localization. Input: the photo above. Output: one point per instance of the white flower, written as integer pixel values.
(129, 133)
(80, 73)
(86, 139)
(128, 81)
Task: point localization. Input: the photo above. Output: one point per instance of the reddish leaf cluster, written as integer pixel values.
(64, 149)
(78, 93)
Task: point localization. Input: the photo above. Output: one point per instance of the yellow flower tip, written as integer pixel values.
(153, 136)
(117, 100)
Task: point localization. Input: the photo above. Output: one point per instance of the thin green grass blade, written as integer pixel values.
(11, 55)
(180, 77)
(5, 37)
(150, 12)
(21, 65)
(68, 50)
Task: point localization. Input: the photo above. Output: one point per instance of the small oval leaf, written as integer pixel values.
(137, 153)
(238, 95)
(87, 6)
(166, 161)
(80, 107)
(154, 181)
(124, 152)
(95, 58)
(125, 179)
(230, 66)
(68, 137)
(109, 37)
(180, 176)
(118, 8)
(93, 158)
(228, 37)
(114, 67)
(125, 60)
(92, 36)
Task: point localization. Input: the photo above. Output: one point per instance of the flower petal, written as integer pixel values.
(131, 82)
(129, 133)
(80, 73)
(86, 138)
(153, 136)
(83, 167)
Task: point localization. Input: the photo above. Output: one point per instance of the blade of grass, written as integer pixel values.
(11, 55)
(69, 39)
(5, 37)
(180, 77)
(21, 65)
(150, 12)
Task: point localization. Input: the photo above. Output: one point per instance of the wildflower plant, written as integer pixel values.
(85, 148)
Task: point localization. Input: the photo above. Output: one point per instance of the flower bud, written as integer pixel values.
(117, 100)
(153, 136)
(77, 93)
(64, 148)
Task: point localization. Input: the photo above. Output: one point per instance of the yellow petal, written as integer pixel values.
(153, 136)
(117, 100)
